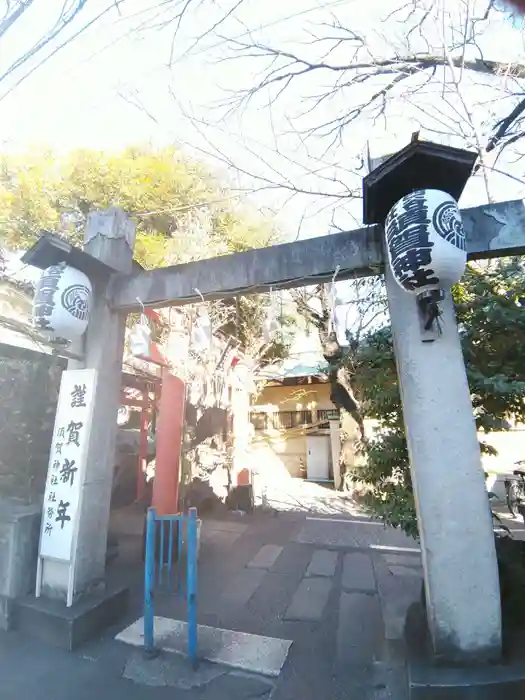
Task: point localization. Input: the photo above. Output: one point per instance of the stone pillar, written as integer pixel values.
(241, 436)
(110, 237)
(335, 447)
(457, 542)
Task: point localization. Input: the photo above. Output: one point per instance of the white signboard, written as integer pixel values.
(65, 473)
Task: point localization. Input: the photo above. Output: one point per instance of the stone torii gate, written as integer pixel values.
(454, 521)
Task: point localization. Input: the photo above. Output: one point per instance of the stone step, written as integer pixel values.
(358, 573)
(359, 630)
(68, 628)
(249, 652)
(323, 563)
(309, 600)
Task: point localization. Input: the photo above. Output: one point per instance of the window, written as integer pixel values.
(280, 420)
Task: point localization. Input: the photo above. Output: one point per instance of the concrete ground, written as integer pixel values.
(316, 572)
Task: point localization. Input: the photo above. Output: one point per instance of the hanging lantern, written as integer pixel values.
(62, 301)
(426, 247)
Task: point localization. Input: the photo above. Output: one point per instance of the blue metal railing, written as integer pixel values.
(160, 572)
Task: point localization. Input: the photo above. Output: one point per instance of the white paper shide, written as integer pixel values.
(66, 468)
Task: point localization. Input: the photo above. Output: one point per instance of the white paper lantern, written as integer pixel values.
(426, 241)
(62, 301)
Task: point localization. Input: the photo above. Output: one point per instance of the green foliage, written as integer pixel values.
(245, 321)
(182, 212)
(490, 314)
(490, 307)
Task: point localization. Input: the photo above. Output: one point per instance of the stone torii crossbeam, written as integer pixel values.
(456, 538)
(491, 231)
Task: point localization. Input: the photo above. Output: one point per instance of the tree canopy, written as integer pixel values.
(490, 312)
(182, 211)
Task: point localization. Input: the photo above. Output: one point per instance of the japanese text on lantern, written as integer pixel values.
(66, 464)
(407, 235)
(45, 295)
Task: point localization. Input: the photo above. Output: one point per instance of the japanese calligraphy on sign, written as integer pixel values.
(66, 464)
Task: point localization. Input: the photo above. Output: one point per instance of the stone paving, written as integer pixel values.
(334, 583)
(338, 585)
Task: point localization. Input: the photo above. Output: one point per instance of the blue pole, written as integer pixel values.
(192, 585)
(170, 551)
(178, 571)
(162, 524)
(149, 582)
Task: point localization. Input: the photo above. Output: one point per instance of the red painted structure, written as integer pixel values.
(169, 441)
(150, 391)
(166, 397)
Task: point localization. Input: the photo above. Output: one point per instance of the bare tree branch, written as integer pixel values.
(281, 181)
(504, 125)
(389, 73)
(66, 17)
(9, 19)
(326, 83)
(69, 14)
(293, 66)
(209, 30)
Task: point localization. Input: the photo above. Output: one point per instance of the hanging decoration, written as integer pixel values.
(62, 302)
(333, 302)
(271, 324)
(140, 338)
(426, 248)
(201, 333)
(242, 374)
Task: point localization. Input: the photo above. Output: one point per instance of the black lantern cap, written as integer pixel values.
(420, 165)
(51, 249)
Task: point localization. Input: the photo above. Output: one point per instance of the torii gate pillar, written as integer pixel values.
(110, 237)
(455, 524)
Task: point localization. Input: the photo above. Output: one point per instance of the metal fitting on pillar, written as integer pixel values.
(429, 311)
(426, 251)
